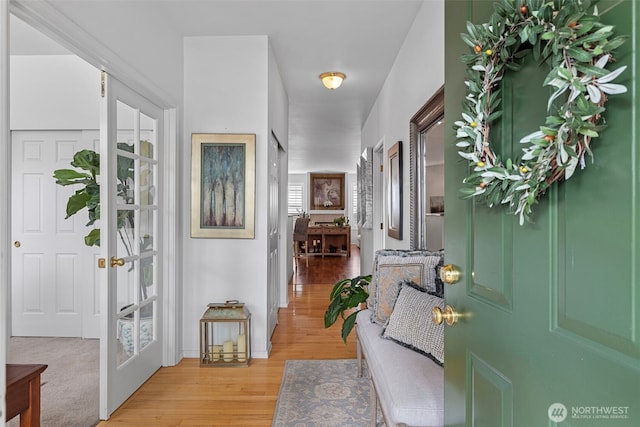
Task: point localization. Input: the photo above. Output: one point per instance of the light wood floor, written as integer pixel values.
(187, 395)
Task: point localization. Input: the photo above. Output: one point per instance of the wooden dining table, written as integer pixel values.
(23, 393)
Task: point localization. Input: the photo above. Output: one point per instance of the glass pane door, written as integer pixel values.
(131, 131)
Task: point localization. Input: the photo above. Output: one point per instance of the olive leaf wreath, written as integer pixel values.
(576, 46)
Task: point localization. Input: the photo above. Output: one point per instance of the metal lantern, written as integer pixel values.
(225, 330)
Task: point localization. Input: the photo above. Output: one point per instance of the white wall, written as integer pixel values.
(417, 73)
(54, 92)
(226, 91)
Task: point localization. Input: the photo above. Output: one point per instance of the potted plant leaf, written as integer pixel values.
(347, 297)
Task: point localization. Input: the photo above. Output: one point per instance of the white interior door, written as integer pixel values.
(273, 296)
(53, 271)
(131, 340)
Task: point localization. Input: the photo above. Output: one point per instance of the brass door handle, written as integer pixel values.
(450, 274)
(17, 243)
(117, 262)
(449, 315)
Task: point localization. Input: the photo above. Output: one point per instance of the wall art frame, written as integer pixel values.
(394, 213)
(327, 191)
(223, 169)
(365, 189)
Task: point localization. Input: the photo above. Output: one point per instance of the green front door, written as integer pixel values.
(551, 309)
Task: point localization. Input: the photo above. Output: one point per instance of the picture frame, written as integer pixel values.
(223, 185)
(327, 191)
(365, 189)
(394, 215)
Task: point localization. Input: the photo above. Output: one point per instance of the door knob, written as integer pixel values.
(450, 274)
(17, 243)
(449, 315)
(117, 262)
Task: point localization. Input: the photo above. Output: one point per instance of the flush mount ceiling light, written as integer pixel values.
(332, 79)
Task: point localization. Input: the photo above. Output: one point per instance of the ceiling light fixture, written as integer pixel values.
(332, 79)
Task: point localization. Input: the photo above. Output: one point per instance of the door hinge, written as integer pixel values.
(381, 168)
(381, 226)
(103, 75)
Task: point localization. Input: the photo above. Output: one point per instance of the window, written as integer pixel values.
(295, 198)
(354, 204)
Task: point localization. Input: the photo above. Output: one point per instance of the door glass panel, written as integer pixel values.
(125, 338)
(146, 325)
(126, 282)
(146, 230)
(125, 235)
(147, 276)
(147, 189)
(125, 306)
(126, 188)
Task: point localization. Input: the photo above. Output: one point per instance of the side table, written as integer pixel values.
(23, 393)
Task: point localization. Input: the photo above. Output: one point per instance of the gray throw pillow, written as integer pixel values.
(410, 323)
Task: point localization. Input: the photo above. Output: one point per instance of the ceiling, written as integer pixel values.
(360, 38)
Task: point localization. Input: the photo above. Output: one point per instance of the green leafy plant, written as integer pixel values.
(340, 221)
(346, 295)
(88, 196)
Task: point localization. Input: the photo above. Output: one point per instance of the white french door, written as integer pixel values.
(131, 133)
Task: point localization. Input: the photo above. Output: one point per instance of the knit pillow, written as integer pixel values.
(410, 323)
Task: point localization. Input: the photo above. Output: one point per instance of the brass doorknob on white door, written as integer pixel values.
(449, 315)
(117, 262)
(17, 243)
(450, 274)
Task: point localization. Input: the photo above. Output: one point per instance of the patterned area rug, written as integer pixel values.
(322, 393)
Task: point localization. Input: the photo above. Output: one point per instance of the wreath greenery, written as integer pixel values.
(576, 46)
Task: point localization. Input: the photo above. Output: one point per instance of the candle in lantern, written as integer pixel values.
(227, 349)
(242, 348)
(215, 352)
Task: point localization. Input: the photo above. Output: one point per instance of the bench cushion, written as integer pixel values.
(410, 386)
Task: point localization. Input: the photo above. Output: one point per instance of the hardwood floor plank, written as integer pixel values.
(188, 395)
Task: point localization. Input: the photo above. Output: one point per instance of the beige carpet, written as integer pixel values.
(70, 383)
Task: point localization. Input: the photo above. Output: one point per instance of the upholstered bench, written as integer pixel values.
(403, 349)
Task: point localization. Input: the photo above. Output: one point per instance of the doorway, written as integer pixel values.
(54, 283)
(162, 354)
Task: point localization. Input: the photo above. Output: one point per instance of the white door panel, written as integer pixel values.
(52, 277)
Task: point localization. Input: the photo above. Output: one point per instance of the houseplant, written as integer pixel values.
(346, 298)
(340, 221)
(88, 196)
